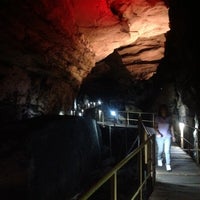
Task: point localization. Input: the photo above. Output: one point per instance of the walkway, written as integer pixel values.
(183, 183)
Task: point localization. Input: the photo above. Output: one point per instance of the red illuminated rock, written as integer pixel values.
(142, 57)
(57, 43)
(109, 24)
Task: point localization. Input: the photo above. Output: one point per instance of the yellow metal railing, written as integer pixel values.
(126, 117)
(186, 145)
(146, 155)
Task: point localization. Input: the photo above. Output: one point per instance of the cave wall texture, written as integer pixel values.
(48, 48)
(174, 80)
(51, 51)
(179, 67)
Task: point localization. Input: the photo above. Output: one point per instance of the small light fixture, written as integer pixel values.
(61, 112)
(99, 102)
(80, 114)
(113, 113)
(181, 126)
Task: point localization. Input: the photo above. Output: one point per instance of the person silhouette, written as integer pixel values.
(164, 136)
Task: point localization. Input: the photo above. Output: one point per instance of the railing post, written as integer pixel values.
(103, 118)
(153, 120)
(110, 139)
(146, 155)
(197, 147)
(145, 150)
(114, 187)
(141, 157)
(153, 153)
(182, 134)
(141, 173)
(127, 118)
(153, 164)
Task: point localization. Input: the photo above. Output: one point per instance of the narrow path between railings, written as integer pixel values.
(182, 183)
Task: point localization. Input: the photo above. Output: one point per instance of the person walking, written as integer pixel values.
(164, 136)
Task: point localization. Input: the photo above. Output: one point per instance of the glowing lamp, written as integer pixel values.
(61, 113)
(181, 126)
(113, 113)
(99, 102)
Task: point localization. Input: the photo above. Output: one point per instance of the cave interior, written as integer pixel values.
(59, 57)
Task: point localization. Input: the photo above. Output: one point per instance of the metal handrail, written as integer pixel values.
(128, 118)
(191, 146)
(113, 173)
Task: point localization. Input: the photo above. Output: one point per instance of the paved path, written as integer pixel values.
(182, 183)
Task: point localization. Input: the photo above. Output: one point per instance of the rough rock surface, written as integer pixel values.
(142, 57)
(48, 47)
(114, 23)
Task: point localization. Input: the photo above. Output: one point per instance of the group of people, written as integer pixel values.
(164, 136)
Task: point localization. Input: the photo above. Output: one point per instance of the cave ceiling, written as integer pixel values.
(75, 34)
(136, 27)
(48, 48)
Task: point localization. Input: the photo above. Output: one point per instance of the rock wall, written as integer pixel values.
(41, 66)
(48, 48)
(27, 94)
(179, 67)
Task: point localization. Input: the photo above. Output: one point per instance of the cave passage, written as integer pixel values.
(69, 67)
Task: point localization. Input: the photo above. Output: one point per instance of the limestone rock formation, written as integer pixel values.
(142, 57)
(48, 47)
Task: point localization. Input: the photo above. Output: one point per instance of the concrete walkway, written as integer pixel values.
(182, 183)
